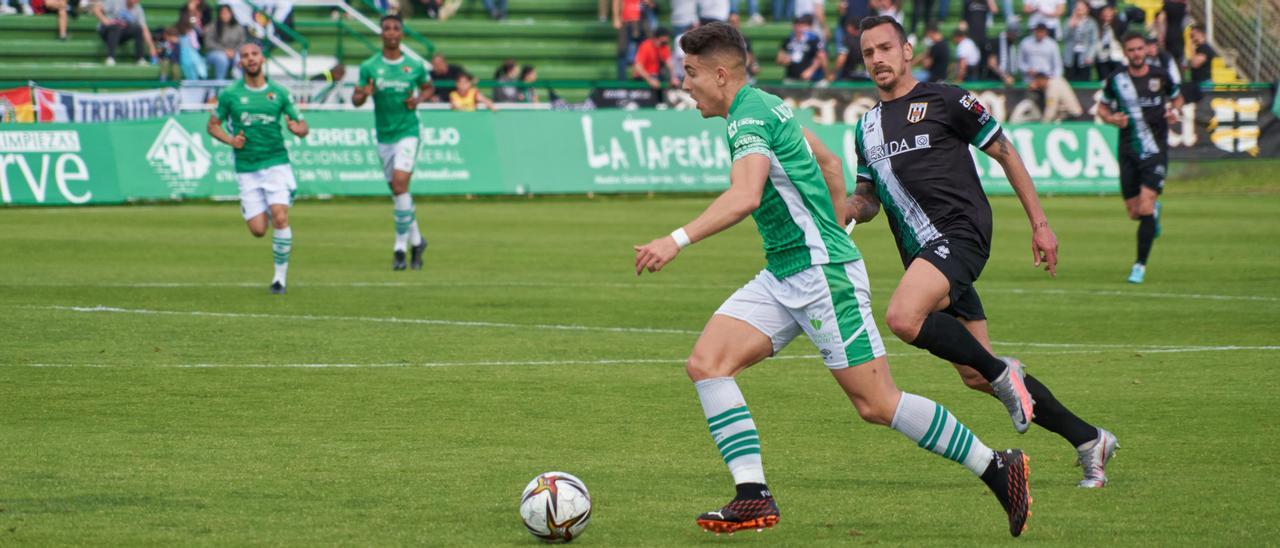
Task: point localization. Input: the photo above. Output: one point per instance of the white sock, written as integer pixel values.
(404, 218)
(415, 235)
(732, 429)
(281, 247)
(932, 427)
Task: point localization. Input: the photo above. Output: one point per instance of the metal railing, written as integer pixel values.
(1245, 32)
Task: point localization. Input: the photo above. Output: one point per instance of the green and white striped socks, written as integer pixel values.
(932, 427)
(406, 221)
(281, 246)
(732, 429)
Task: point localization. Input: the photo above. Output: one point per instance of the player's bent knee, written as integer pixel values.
(873, 410)
(906, 326)
(700, 367)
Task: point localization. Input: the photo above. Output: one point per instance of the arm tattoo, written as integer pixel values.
(1001, 148)
(863, 205)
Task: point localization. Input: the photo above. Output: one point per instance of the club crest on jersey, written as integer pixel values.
(915, 112)
(405, 69)
(1154, 84)
(271, 96)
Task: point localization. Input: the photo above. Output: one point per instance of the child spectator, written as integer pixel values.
(467, 96)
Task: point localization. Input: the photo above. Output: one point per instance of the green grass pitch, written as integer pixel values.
(180, 404)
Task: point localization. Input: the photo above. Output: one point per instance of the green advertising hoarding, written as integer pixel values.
(466, 153)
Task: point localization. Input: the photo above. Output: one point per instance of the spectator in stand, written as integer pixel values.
(684, 16)
(784, 10)
(653, 63)
(497, 9)
(507, 73)
(222, 44)
(1175, 21)
(802, 53)
(753, 7)
(120, 21)
(466, 97)
(849, 54)
(528, 77)
(1039, 53)
(193, 64)
(713, 11)
(1045, 12)
(7, 9)
(60, 9)
(626, 18)
(968, 56)
(850, 11)
(1059, 99)
(1095, 7)
(1162, 60)
(1002, 56)
(919, 14)
(443, 75)
(1201, 64)
(171, 55)
(933, 66)
(1110, 50)
(816, 10)
(1080, 44)
(887, 7)
(976, 13)
(197, 14)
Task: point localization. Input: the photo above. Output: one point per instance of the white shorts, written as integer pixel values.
(829, 303)
(264, 188)
(401, 155)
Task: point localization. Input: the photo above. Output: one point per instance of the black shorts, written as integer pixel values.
(1136, 173)
(961, 261)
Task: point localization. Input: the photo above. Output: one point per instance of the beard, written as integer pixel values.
(253, 72)
(886, 85)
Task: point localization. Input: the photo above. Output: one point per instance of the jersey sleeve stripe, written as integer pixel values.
(987, 133)
(753, 149)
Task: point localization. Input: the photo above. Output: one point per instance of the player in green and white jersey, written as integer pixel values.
(814, 282)
(397, 83)
(252, 108)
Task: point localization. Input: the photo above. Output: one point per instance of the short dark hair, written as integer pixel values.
(1198, 26)
(1150, 38)
(874, 21)
(932, 26)
(391, 17)
(805, 19)
(1132, 35)
(660, 32)
(959, 33)
(715, 38)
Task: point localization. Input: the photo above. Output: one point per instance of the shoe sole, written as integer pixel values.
(1020, 489)
(717, 526)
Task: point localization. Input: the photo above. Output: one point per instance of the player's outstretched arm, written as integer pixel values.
(215, 130)
(746, 185)
(832, 174)
(1044, 244)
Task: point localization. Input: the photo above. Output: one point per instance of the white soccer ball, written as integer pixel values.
(555, 507)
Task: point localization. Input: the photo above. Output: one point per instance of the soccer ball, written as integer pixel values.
(555, 507)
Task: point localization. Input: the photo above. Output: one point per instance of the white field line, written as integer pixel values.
(372, 319)
(620, 361)
(1082, 347)
(621, 285)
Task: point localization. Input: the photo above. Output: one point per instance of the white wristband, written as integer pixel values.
(681, 238)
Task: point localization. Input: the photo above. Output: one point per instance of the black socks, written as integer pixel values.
(1146, 235)
(945, 337)
(752, 491)
(1055, 417)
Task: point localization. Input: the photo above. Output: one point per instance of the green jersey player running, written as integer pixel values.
(814, 283)
(252, 108)
(397, 84)
(913, 157)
